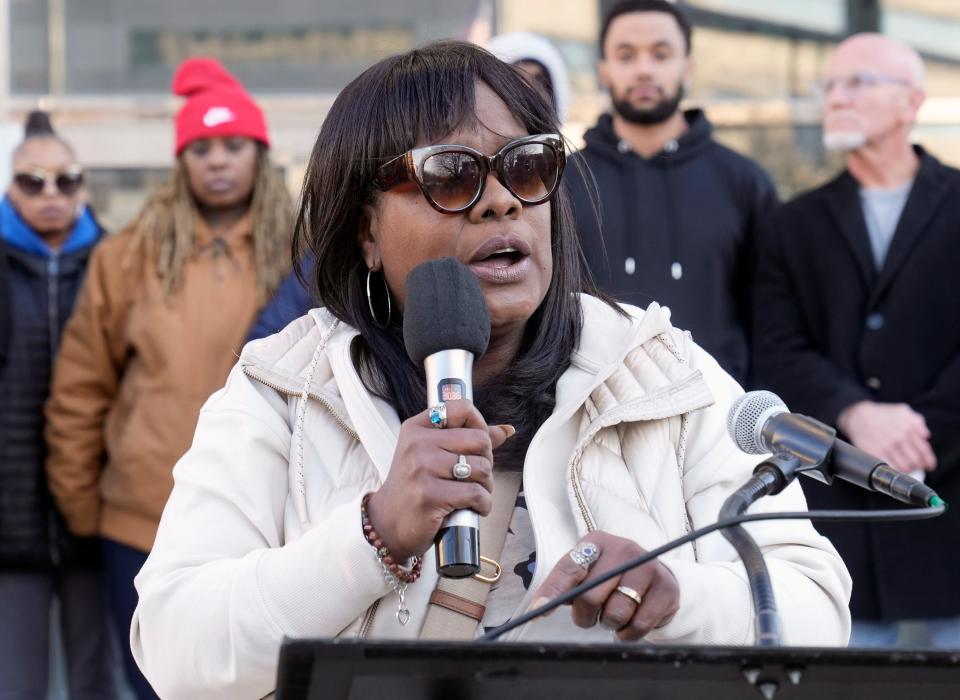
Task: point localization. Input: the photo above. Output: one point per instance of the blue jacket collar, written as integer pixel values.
(17, 233)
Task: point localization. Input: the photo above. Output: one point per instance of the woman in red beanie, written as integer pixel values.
(159, 322)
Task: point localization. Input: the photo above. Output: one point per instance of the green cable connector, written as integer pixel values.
(937, 501)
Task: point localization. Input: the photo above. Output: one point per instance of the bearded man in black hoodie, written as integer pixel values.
(665, 213)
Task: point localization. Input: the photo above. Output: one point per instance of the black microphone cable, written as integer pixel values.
(937, 508)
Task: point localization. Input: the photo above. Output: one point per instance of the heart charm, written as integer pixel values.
(403, 616)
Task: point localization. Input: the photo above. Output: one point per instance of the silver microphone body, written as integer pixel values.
(457, 545)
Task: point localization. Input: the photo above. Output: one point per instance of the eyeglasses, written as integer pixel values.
(34, 182)
(854, 84)
(452, 178)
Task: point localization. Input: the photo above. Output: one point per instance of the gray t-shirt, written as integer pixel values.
(882, 208)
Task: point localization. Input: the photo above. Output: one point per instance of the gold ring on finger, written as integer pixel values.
(631, 594)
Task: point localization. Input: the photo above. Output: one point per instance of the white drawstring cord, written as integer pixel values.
(296, 466)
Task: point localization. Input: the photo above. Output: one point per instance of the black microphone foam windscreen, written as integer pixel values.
(444, 310)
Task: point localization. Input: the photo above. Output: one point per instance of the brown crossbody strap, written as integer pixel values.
(457, 605)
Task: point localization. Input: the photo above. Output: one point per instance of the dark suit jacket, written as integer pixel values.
(830, 330)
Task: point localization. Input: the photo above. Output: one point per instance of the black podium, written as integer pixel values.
(362, 670)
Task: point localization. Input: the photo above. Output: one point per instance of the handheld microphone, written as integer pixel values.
(759, 422)
(445, 326)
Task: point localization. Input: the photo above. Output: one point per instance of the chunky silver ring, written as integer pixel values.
(630, 593)
(462, 469)
(585, 554)
(438, 415)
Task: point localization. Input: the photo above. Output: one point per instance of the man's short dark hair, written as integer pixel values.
(628, 6)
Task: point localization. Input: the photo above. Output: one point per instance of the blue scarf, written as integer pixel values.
(18, 234)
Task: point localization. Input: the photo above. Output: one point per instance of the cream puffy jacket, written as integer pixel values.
(261, 538)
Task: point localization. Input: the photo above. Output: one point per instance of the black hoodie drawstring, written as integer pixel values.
(626, 174)
(673, 230)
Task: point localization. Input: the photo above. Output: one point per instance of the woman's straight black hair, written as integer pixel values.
(417, 98)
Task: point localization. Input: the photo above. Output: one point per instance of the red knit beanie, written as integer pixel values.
(217, 104)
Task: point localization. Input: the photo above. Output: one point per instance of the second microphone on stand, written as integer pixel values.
(759, 422)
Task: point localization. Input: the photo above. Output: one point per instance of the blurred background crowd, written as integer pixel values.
(104, 68)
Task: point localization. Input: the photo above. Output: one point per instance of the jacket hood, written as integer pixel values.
(286, 357)
(291, 362)
(691, 143)
(526, 46)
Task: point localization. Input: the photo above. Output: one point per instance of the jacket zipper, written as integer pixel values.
(573, 465)
(53, 318)
(578, 494)
(336, 416)
(316, 397)
(368, 618)
(53, 314)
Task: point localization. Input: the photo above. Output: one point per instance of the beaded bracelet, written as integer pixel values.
(383, 554)
(396, 577)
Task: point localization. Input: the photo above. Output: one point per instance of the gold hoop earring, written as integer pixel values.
(373, 314)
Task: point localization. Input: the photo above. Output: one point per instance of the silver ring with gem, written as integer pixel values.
(462, 469)
(585, 554)
(438, 415)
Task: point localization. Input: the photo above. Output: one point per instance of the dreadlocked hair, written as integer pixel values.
(165, 227)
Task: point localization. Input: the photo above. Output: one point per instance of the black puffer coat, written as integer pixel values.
(36, 299)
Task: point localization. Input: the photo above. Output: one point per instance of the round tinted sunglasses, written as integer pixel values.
(453, 177)
(32, 183)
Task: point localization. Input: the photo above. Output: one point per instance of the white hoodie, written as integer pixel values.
(525, 46)
(261, 537)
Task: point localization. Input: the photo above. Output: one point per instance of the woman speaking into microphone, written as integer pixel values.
(318, 478)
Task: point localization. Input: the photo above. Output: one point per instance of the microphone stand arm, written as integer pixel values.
(769, 478)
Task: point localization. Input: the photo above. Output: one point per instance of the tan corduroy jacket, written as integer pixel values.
(134, 368)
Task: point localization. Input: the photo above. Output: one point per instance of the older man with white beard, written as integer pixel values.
(857, 323)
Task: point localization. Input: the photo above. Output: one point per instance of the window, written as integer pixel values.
(284, 46)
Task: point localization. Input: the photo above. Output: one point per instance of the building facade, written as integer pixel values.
(103, 68)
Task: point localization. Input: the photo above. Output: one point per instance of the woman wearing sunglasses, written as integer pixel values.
(47, 234)
(160, 321)
(309, 501)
